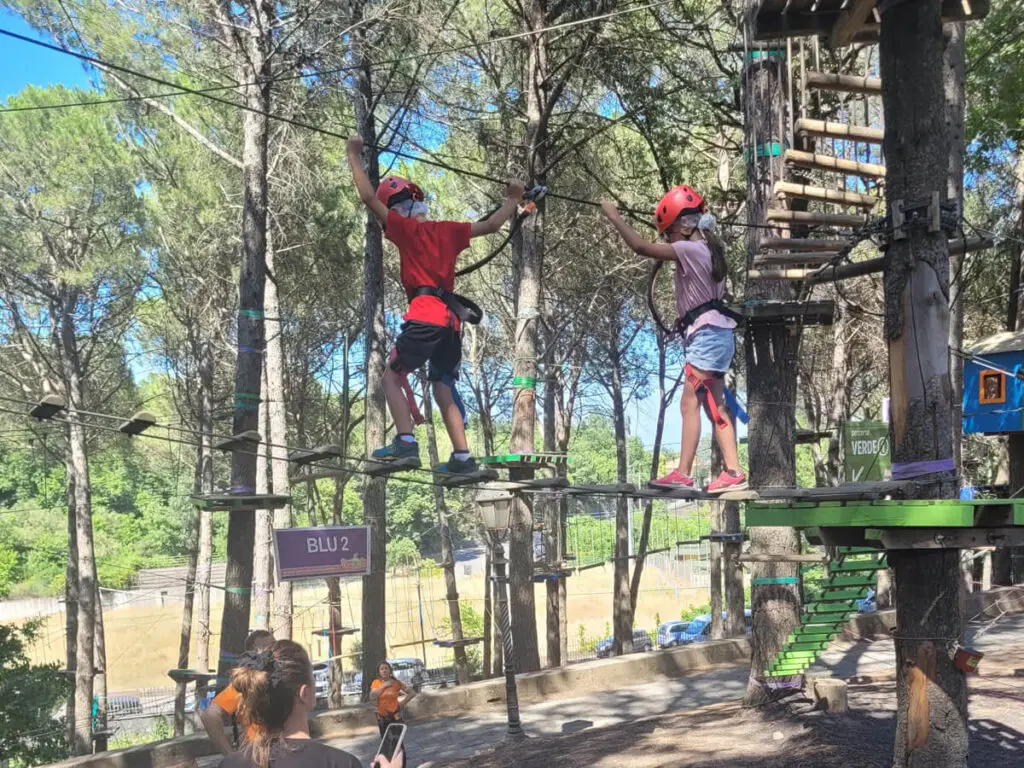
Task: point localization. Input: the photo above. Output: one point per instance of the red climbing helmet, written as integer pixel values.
(393, 190)
(678, 201)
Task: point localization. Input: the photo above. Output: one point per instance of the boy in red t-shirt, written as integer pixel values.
(432, 331)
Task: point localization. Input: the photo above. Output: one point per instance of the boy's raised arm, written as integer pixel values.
(661, 251)
(494, 222)
(354, 151)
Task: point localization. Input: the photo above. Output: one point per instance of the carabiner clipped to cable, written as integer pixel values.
(532, 196)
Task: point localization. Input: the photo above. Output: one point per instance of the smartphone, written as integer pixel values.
(392, 741)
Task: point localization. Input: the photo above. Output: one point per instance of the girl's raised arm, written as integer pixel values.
(662, 251)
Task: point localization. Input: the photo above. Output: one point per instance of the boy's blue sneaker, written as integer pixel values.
(398, 449)
(457, 466)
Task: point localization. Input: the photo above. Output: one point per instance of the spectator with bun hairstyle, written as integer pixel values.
(225, 704)
(277, 694)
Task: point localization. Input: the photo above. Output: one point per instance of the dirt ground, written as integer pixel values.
(785, 735)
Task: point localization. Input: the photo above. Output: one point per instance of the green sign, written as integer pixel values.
(866, 446)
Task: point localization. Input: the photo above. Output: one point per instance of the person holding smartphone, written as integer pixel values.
(390, 695)
(277, 693)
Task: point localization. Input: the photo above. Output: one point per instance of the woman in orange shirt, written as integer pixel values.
(390, 694)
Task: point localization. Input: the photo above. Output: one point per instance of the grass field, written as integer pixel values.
(142, 640)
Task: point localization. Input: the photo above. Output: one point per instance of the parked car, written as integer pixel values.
(322, 680)
(641, 642)
(700, 628)
(671, 632)
(409, 670)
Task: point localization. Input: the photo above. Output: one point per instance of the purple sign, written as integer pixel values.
(305, 553)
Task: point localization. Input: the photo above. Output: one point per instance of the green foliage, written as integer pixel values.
(31, 733)
(691, 612)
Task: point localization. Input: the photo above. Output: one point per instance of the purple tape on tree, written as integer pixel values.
(911, 469)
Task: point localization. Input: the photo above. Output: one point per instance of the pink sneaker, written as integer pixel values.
(726, 482)
(674, 479)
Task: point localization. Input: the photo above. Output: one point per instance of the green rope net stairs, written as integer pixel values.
(850, 576)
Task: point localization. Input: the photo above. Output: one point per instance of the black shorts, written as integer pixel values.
(421, 343)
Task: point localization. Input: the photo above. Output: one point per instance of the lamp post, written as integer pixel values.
(495, 507)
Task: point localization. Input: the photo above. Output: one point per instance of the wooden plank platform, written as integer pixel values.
(827, 81)
(526, 460)
(833, 273)
(802, 312)
(229, 502)
(793, 244)
(248, 440)
(778, 274)
(812, 218)
(832, 164)
(777, 19)
(795, 257)
(308, 455)
(825, 195)
(806, 126)
(866, 491)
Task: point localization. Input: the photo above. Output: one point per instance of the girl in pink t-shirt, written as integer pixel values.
(705, 325)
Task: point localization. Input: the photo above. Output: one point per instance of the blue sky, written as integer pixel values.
(22, 64)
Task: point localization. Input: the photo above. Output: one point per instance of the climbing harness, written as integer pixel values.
(700, 386)
(465, 309)
(681, 324)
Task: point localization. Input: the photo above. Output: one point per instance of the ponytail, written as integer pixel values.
(268, 683)
(719, 266)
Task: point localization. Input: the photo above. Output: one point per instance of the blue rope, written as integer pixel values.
(449, 381)
(734, 405)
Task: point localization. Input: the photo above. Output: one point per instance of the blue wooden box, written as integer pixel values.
(993, 398)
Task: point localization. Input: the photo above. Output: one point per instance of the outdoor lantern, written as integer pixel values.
(495, 507)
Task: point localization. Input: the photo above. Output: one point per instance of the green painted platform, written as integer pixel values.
(527, 460)
(888, 513)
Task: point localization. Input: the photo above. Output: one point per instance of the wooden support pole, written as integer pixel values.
(828, 81)
(830, 130)
(931, 725)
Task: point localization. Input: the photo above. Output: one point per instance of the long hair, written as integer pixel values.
(719, 266)
(269, 682)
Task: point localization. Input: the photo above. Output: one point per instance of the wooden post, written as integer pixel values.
(931, 691)
(771, 370)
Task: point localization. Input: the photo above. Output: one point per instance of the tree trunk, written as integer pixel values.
(622, 619)
(840, 392)
(71, 596)
(185, 637)
(447, 550)
(204, 560)
(334, 643)
(251, 337)
(928, 585)
(99, 657)
(262, 578)
(771, 357)
(78, 474)
(715, 559)
(953, 86)
(732, 572)
(277, 428)
(374, 601)
(552, 538)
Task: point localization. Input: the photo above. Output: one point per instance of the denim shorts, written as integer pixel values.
(711, 349)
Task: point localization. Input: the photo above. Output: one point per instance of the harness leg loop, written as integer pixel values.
(706, 397)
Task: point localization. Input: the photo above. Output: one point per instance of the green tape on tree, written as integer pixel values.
(773, 53)
(772, 149)
(526, 382)
(254, 314)
(238, 590)
(766, 580)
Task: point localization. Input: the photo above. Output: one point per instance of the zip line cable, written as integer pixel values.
(182, 90)
(435, 160)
